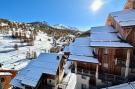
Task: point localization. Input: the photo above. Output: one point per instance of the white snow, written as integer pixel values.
(3, 24)
(111, 44)
(102, 29)
(104, 37)
(79, 50)
(82, 41)
(16, 59)
(121, 86)
(70, 81)
(45, 63)
(5, 73)
(83, 59)
(125, 17)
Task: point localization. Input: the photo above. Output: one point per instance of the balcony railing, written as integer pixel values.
(84, 72)
(111, 77)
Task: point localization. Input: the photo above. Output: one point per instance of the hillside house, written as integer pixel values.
(45, 72)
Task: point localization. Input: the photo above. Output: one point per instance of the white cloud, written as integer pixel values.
(96, 5)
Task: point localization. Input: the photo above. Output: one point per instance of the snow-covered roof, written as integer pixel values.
(111, 44)
(5, 73)
(79, 50)
(104, 37)
(121, 86)
(83, 59)
(130, 85)
(45, 63)
(17, 83)
(82, 41)
(133, 84)
(125, 17)
(102, 29)
(3, 24)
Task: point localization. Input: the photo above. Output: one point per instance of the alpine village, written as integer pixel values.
(39, 56)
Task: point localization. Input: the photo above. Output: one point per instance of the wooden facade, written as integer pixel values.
(112, 60)
(6, 76)
(48, 81)
(130, 4)
(115, 63)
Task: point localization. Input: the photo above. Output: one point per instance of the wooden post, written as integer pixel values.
(127, 63)
(75, 67)
(59, 74)
(97, 71)
(96, 74)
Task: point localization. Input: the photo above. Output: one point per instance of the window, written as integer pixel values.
(105, 51)
(120, 61)
(83, 86)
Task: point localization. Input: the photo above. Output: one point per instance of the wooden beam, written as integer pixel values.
(127, 63)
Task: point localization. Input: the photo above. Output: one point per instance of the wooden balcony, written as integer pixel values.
(84, 72)
(111, 78)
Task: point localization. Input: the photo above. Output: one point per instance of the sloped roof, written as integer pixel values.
(82, 41)
(104, 37)
(103, 33)
(130, 85)
(103, 29)
(79, 50)
(83, 59)
(111, 44)
(45, 63)
(125, 17)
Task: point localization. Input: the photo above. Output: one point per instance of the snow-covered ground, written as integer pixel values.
(69, 81)
(16, 59)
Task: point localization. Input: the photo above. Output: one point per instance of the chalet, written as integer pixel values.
(109, 51)
(124, 23)
(45, 72)
(84, 64)
(105, 58)
(112, 52)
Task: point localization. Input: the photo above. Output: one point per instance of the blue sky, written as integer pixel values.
(77, 13)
